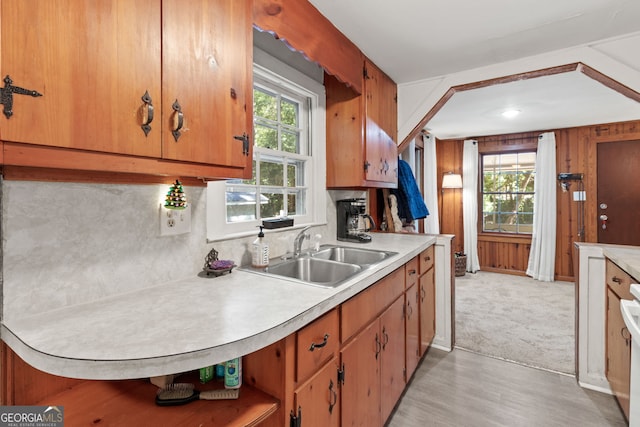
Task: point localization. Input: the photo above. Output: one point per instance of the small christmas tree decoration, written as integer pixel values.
(175, 198)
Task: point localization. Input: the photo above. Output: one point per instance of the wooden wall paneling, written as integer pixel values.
(449, 159)
(306, 30)
(576, 153)
(567, 228)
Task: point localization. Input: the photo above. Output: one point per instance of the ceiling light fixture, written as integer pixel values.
(509, 114)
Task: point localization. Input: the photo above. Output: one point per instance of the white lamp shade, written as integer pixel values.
(452, 180)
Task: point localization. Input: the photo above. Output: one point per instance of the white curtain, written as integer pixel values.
(470, 203)
(542, 257)
(432, 221)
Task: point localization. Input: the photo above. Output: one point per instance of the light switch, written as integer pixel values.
(579, 196)
(174, 221)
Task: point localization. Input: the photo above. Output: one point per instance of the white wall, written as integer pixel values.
(616, 58)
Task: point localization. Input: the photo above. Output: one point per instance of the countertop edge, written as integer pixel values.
(48, 360)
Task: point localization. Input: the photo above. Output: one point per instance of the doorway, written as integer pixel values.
(618, 191)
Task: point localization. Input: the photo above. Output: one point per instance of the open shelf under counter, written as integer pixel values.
(132, 403)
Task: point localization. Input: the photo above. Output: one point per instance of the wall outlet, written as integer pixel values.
(173, 222)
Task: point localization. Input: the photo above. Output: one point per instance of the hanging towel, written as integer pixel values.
(410, 202)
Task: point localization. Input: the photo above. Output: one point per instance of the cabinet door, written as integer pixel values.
(380, 106)
(427, 309)
(319, 398)
(92, 61)
(361, 388)
(618, 352)
(207, 69)
(392, 367)
(412, 320)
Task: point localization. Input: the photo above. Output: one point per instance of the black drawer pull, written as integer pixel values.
(616, 280)
(322, 344)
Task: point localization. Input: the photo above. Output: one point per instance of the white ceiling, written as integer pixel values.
(413, 40)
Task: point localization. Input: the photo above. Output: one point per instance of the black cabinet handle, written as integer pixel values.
(147, 113)
(245, 142)
(178, 120)
(333, 394)
(322, 344)
(6, 95)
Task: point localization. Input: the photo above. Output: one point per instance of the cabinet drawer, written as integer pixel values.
(368, 304)
(426, 259)
(316, 343)
(411, 272)
(619, 281)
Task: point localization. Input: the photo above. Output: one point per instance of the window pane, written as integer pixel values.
(273, 206)
(265, 104)
(265, 136)
(290, 141)
(489, 182)
(295, 173)
(241, 204)
(525, 203)
(289, 113)
(291, 204)
(271, 173)
(296, 202)
(509, 181)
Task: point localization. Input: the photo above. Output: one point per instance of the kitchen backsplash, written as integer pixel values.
(69, 243)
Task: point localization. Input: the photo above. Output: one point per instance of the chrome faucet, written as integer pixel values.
(297, 242)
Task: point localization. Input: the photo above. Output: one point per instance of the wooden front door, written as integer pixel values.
(619, 192)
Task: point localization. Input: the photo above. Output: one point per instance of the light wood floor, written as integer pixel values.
(462, 388)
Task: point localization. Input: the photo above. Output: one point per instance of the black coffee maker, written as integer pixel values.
(353, 221)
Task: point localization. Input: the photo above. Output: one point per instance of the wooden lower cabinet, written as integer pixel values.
(318, 399)
(361, 388)
(412, 323)
(373, 364)
(427, 292)
(618, 338)
(392, 358)
(618, 352)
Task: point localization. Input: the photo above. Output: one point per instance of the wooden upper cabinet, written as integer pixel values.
(381, 123)
(92, 61)
(361, 130)
(207, 68)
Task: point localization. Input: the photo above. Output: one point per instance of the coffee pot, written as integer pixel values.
(353, 221)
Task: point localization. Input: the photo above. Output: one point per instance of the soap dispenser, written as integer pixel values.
(260, 254)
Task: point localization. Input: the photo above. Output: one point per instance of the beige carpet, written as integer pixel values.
(517, 318)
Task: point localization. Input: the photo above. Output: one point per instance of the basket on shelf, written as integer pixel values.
(461, 264)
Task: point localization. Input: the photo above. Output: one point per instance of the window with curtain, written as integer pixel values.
(507, 192)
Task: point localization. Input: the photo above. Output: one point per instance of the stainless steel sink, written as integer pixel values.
(351, 255)
(328, 267)
(315, 271)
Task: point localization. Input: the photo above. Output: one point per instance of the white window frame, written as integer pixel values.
(270, 68)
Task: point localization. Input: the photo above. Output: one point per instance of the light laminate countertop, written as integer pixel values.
(625, 257)
(187, 324)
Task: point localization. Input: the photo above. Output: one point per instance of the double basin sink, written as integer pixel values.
(328, 267)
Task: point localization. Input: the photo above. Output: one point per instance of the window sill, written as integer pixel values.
(504, 237)
(265, 231)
